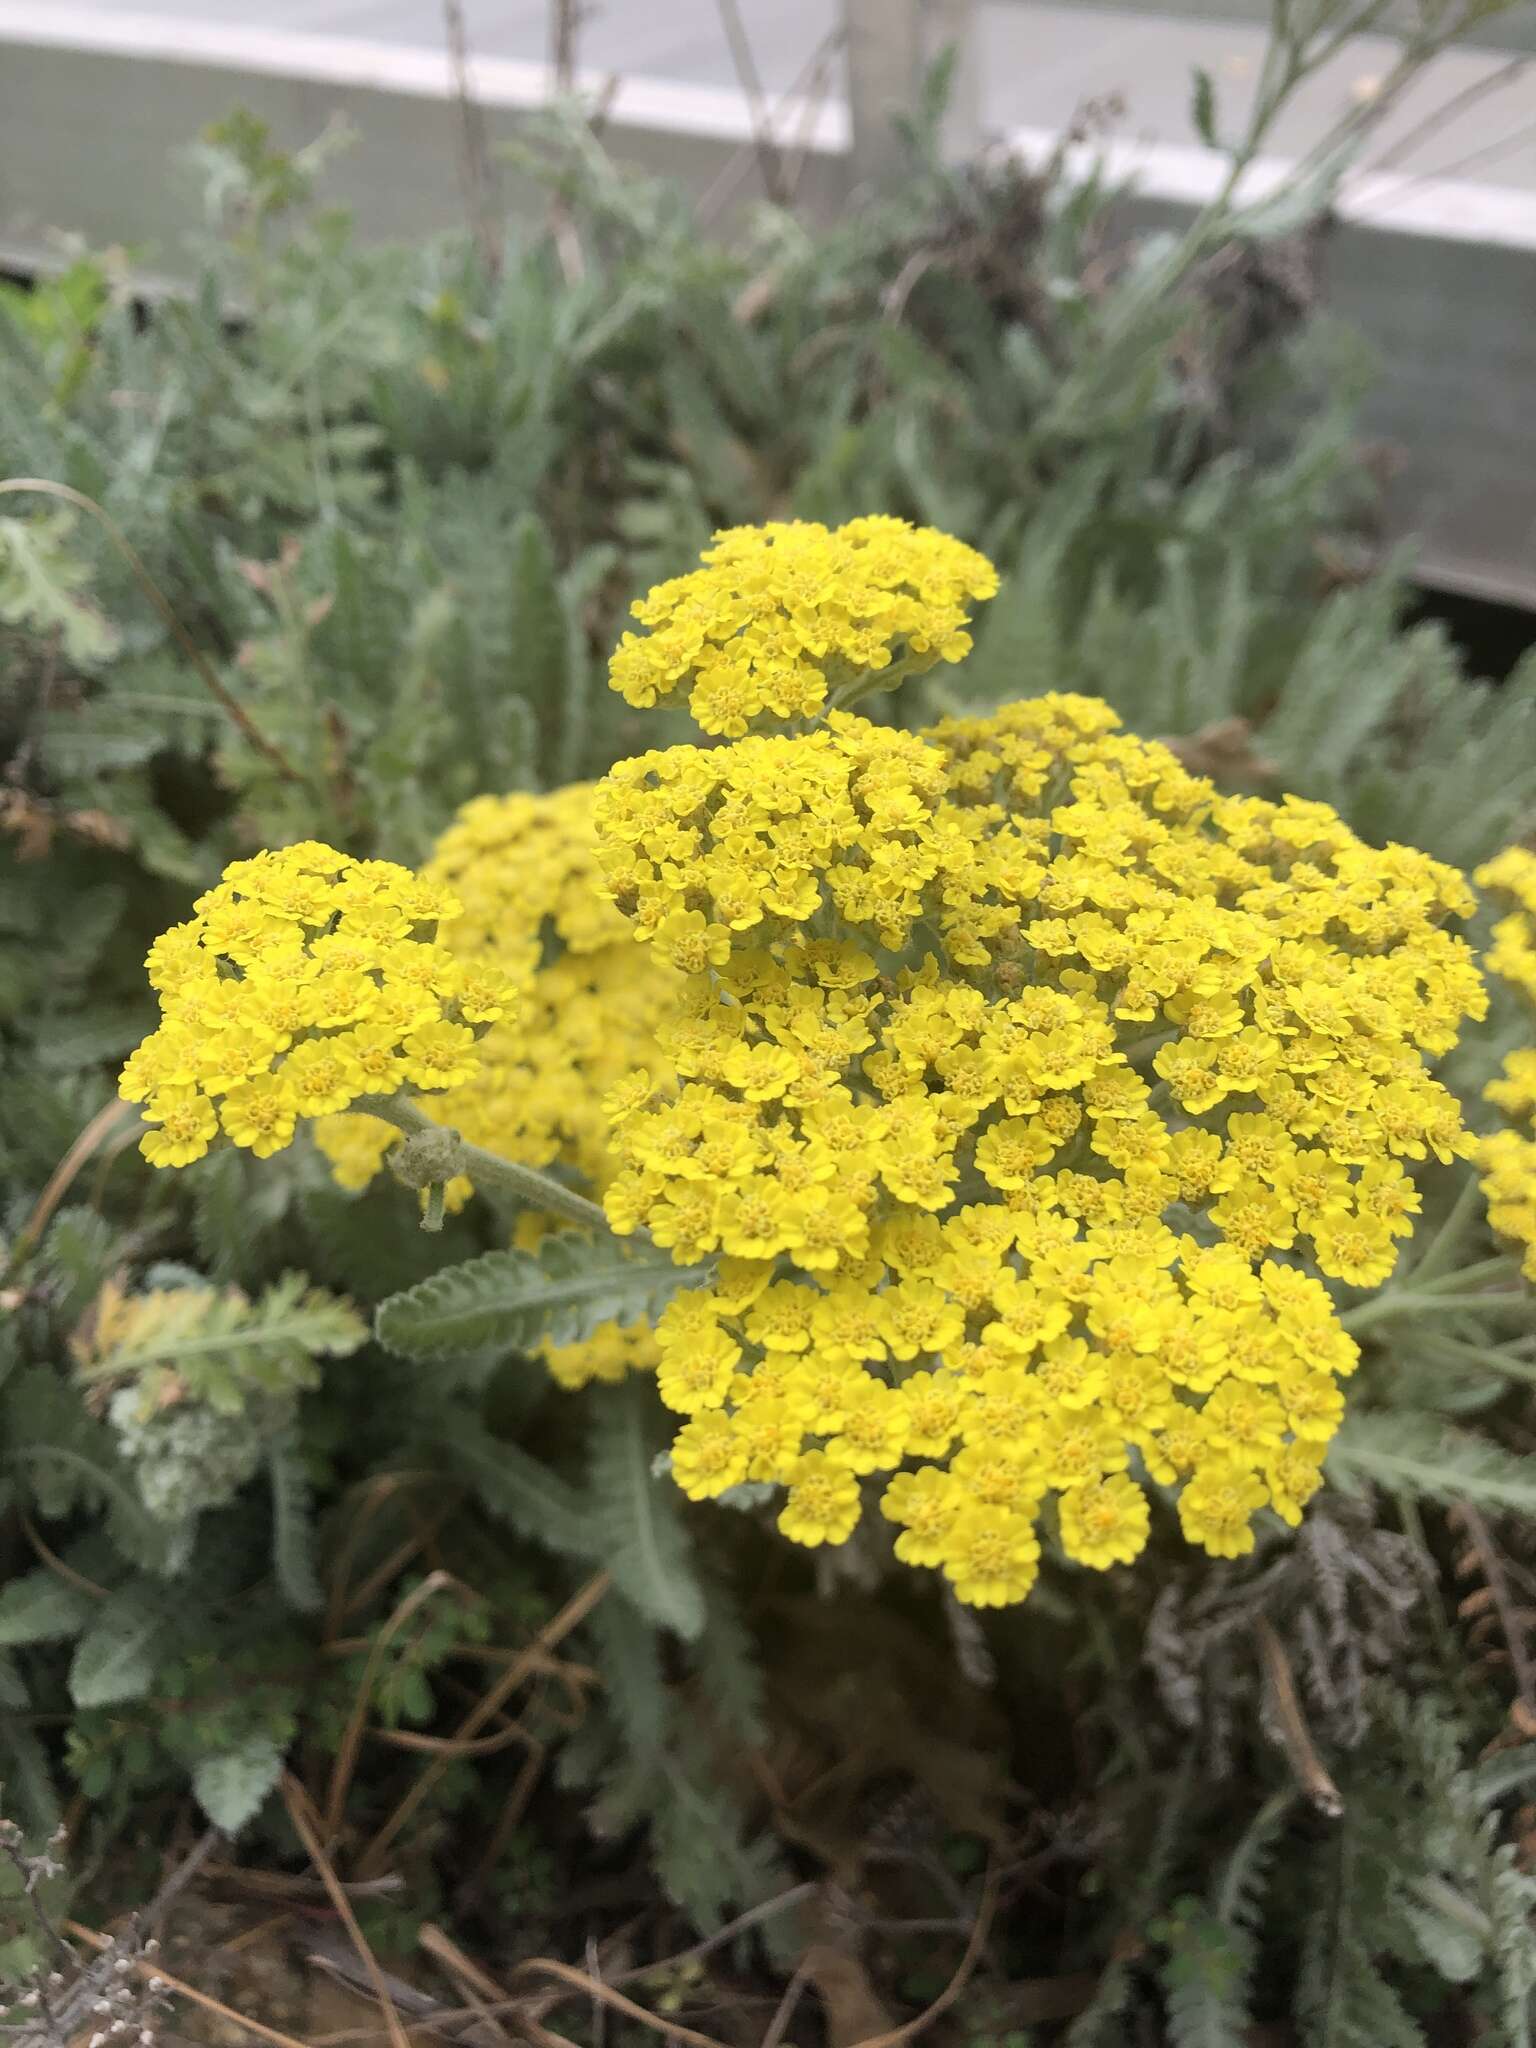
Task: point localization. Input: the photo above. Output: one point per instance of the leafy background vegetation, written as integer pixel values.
(411, 1614)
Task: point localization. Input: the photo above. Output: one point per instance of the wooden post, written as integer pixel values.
(891, 46)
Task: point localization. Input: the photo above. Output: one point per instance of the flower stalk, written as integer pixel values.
(440, 1154)
(1438, 1300)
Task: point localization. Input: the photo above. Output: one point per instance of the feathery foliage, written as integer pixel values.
(517, 1300)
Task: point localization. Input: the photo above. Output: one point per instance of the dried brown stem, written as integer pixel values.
(911, 2030)
(1301, 1753)
(593, 1987)
(220, 2011)
(770, 162)
(571, 1615)
(1491, 1566)
(475, 170)
(297, 1803)
(753, 1917)
(106, 1119)
(352, 1738)
(476, 1985)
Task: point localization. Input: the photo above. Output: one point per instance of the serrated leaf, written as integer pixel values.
(220, 1345)
(557, 1295)
(1205, 1978)
(644, 1540)
(235, 1204)
(78, 1251)
(514, 1487)
(629, 1658)
(25, 1774)
(1506, 1771)
(293, 1540)
(69, 1459)
(13, 1692)
(43, 586)
(1454, 1950)
(1427, 1459)
(700, 1846)
(541, 635)
(114, 1660)
(728, 1660)
(230, 1788)
(41, 1608)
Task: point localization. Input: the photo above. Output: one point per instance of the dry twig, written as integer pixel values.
(297, 1802)
(1311, 1773)
(476, 173)
(190, 1992)
(1514, 1623)
(109, 1118)
(571, 1615)
(770, 163)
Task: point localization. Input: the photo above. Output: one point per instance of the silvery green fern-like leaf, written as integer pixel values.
(556, 1295)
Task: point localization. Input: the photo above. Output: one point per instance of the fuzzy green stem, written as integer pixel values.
(488, 1170)
(1454, 1351)
(1445, 1243)
(1413, 1301)
(1485, 1268)
(871, 682)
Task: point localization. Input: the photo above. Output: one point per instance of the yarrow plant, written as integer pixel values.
(523, 869)
(304, 981)
(786, 618)
(1029, 1092)
(1020, 1094)
(1507, 1159)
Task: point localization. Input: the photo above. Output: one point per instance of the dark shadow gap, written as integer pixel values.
(1492, 636)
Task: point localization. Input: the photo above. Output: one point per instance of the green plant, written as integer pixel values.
(397, 509)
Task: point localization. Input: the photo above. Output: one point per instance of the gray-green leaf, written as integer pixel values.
(41, 1608)
(114, 1660)
(645, 1539)
(558, 1295)
(230, 1788)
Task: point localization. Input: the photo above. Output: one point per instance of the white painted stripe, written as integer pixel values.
(650, 103)
(1401, 203)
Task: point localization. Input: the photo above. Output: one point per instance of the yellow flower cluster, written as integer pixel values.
(524, 871)
(613, 1351)
(783, 616)
(1512, 954)
(1025, 1087)
(1507, 1160)
(303, 980)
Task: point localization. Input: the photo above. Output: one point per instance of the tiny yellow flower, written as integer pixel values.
(321, 1076)
(186, 1122)
(822, 1505)
(1105, 1522)
(991, 1557)
(440, 1055)
(260, 1114)
(709, 1456)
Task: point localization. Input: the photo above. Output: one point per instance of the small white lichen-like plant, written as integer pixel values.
(1007, 1097)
